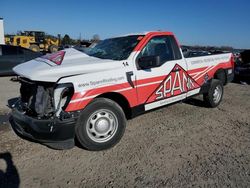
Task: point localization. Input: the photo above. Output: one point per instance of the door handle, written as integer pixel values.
(129, 75)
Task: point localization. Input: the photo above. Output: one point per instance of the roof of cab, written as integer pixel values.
(146, 33)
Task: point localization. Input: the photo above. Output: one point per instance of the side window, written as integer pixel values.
(163, 46)
(1, 53)
(159, 46)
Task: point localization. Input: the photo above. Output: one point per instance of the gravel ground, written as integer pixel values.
(182, 145)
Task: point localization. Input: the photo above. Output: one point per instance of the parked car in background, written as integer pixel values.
(242, 67)
(11, 56)
(194, 53)
(198, 53)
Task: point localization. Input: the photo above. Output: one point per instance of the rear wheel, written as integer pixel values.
(101, 125)
(215, 94)
(34, 48)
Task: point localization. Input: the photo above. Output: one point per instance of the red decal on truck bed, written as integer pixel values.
(176, 83)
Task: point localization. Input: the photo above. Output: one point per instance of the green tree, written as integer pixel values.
(66, 40)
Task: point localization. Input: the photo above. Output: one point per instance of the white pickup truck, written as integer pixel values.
(89, 95)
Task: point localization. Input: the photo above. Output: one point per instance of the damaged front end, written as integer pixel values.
(39, 113)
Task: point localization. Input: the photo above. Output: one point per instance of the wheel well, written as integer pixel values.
(119, 99)
(221, 75)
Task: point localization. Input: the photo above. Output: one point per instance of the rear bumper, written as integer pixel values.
(56, 133)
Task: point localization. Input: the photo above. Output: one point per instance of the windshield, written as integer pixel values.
(115, 48)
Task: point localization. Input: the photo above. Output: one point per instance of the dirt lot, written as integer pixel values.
(182, 145)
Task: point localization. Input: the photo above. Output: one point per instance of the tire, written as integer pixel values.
(101, 125)
(53, 48)
(214, 96)
(34, 48)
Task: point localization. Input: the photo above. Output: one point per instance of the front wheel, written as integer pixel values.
(214, 96)
(101, 125)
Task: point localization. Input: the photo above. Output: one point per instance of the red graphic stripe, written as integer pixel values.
(77, 106)
(131, 93)
(196, 70)
(100, 90)
(128, 94)
(200, 79)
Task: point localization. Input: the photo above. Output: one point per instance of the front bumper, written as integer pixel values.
(55, 133)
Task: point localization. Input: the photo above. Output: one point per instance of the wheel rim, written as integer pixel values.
(217, 94)
(102, 125)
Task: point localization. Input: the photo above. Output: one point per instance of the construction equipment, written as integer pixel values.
(34, 40)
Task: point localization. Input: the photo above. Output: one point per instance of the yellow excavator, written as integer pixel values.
(34, 40)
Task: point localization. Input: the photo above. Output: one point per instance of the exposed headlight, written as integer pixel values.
(62, 96)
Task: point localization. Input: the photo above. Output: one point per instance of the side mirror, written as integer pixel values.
(148, 62)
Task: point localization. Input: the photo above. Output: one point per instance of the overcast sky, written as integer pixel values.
(211, 22)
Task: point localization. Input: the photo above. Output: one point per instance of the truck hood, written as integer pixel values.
(74, 63)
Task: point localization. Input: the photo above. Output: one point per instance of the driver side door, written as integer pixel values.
(159, 74)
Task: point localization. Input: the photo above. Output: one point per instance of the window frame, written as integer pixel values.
(173, 47)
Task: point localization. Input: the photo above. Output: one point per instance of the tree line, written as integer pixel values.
(66, 40)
